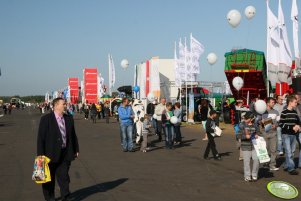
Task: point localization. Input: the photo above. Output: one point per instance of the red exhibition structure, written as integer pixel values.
(90, 85)
(73, 87)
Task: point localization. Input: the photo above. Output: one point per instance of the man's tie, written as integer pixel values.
(63, 131)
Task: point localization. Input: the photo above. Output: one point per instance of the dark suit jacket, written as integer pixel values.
(50, 138)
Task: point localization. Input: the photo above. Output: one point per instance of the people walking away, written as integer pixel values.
(168, 126)
(86, 111)
(107, 112)
(279, 106)
(93, 113)
(269, 131)
(126, 116)
(145, 132)
(178, 113)
(210, 126)
(159, 111)
(98, 109)
(290, 127)
(10, 108)
(58, 141)
(248, 132)
(204, 111)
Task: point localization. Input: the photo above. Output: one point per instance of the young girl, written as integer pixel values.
(249, 131)
(145, 131)
(169, 128)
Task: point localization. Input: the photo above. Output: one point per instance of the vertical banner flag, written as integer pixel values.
(111, 73)
(74, 92)
(147, 87)
(285, 54)
(272, 46)
(196, 50)
(90, 85)
(191, 108)
(294, 18)
(176, 68)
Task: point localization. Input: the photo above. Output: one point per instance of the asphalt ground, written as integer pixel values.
(104, 173)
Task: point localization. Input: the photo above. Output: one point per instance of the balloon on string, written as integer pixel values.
(211, 58)
(234, 18)
(238, 83)
(136, 89)
(150, 97)
(174, 120)
(260, 106)
(250, 12)
(124, 63)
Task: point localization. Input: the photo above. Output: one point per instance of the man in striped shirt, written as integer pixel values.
(290, 126)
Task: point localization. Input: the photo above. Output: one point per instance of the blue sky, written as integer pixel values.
(42, 43)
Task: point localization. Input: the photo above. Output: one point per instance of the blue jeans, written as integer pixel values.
(299, 165)
(289, 143)
(279, 140)
(169, 134)
(127, 136)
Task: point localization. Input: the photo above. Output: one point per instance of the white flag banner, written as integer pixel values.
(294, 18)
(176, 69)
(111, 72)
(196, 50)
(100, 91)
(181, 61)
(285, 55)
(272, 46)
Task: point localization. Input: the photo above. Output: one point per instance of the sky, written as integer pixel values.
(43, 43)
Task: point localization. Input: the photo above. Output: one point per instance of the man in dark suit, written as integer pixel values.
(58, 141)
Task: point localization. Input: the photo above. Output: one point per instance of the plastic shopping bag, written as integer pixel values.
(261, 150)
(41, 172)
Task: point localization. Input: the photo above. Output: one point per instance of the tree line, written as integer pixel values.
(26, 99)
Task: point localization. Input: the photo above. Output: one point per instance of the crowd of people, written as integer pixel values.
(279, 125)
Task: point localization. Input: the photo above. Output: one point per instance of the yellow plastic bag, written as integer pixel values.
(41, 172)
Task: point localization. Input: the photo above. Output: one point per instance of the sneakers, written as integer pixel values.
(274, 168)
(280, 153)
(293, 172)
(254, 179)
(248, 179)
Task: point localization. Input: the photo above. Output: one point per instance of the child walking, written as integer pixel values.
(145, 131)
(249, 132)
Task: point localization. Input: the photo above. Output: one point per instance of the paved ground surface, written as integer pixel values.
(103, 172)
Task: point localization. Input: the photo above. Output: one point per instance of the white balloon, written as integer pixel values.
(211, 58)
(250, 12)
(174, 120)
(124, 63)
(234, 18)
(155, 116)
(260, 106)
(150, 97)
(238, 83)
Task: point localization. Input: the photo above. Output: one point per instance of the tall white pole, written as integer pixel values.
(185, 53)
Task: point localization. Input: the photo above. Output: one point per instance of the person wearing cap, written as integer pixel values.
(210, 126)
(249, 132)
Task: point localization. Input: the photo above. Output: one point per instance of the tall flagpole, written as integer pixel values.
(185, 55)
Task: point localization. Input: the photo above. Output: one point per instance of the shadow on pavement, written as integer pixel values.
(83, 193)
